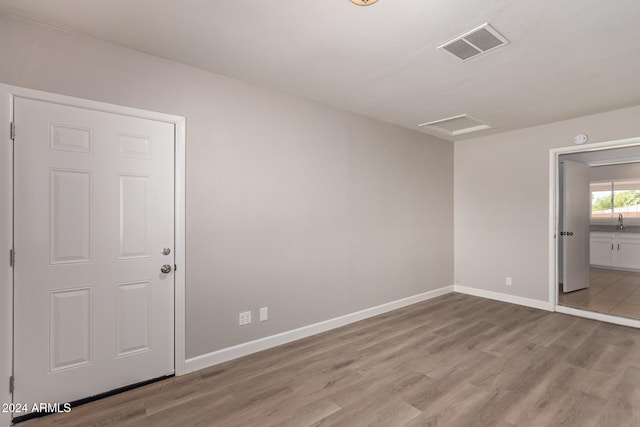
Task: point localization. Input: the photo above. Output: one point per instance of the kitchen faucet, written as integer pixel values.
(621, 225)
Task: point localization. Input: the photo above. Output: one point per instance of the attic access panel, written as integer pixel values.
(457, 125)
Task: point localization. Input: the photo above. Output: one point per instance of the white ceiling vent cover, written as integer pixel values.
(476, 42)
(457, 125)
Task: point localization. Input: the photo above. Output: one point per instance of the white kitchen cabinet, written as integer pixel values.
(601, 248)
(618, 250)
(628, 250)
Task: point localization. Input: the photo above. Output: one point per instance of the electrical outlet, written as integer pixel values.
(244, 318)
(508, 281)
(264, 313)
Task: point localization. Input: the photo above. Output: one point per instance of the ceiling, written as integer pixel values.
(566, 58)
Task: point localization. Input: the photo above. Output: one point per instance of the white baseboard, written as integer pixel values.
(240, 350)
(230, 353)
(528, 302)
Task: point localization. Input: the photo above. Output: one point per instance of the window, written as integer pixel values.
(610, 198)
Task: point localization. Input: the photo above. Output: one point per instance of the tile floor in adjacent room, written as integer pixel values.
(610, 291)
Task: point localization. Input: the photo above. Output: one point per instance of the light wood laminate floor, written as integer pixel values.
(610, 291)
(456, 360)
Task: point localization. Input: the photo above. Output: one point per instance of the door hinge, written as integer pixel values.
(12, 131)
(11, 384)
(12, 257)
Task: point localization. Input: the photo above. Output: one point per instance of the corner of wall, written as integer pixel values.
(512, 299)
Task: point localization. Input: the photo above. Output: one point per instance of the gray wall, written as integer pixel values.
(311, 211)
(623, 171)
(502, 201)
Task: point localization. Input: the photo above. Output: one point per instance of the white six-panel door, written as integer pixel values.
(94, 209)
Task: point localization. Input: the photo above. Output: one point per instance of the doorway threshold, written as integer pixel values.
(79, 402)
(617, 320)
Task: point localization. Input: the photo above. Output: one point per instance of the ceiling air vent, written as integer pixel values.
(480, 40)
(454, 126)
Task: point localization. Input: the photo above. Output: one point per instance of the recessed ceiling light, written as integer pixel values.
(363, 2)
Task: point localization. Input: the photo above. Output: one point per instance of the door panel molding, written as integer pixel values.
(77, 141)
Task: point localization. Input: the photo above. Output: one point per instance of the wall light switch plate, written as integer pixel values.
(264, 313)
(244, 318)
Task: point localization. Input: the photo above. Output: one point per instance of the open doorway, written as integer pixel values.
(597, 234)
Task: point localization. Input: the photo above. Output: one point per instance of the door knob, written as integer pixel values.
(165, 269)
(166, 251)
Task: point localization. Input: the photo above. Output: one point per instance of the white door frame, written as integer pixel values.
(554, 210)
(7, 94)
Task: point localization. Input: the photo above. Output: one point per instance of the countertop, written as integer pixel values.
(613, 229)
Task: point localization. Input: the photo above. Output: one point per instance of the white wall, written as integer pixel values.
(309, 210)
(502, 201)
